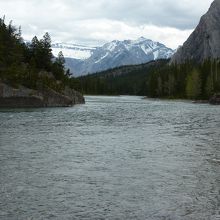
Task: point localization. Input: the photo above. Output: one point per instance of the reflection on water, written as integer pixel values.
(113, 158)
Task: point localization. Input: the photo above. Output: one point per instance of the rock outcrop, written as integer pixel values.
(23, 97)
(204, 42)
(215, 99)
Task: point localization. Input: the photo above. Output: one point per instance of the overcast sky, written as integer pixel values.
(98, 21)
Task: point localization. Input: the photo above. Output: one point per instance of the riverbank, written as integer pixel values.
(22, 97)
(214, 100)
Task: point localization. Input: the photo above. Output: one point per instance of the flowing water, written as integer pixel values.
(112, 158)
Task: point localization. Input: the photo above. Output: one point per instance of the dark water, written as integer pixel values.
(113, 158)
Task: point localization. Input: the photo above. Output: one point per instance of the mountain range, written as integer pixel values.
(202, 44)
(82, 60)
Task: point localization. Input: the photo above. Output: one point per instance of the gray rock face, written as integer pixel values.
(27, 98)
(204, 42)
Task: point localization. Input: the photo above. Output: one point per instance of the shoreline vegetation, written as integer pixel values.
(192, 73)
(198, 82)
(29, 74)
(31, 66)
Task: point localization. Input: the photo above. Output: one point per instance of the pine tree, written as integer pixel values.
(42, 52)
(58, 67)
(193, 87)
(209, 86)
(46, 52)
(60, 59)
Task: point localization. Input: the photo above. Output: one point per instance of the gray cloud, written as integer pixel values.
(97, 21)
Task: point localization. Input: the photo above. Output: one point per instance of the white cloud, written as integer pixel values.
(98, 21)
(102, 30)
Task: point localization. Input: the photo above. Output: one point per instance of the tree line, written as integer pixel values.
(31, 64)
(126, 80)
(190, 80)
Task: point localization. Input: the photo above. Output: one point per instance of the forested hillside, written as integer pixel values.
(31, 65)
(190, 80)
(158, 79)
(192, 73)
(125, 80)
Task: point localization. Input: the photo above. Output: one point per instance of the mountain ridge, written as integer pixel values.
(203, 43)
(118, 53)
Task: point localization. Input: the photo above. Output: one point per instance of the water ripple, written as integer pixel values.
(113, 158)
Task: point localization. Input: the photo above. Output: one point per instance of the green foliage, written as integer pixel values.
(58, 67)
(193, 85)
(41, 53)
(30, 64)
(127, 80)
(11, 46)
(209, 86)
(33, 66)
(157, 79)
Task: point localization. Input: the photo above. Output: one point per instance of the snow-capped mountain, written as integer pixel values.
(114, 54)
(73, 50)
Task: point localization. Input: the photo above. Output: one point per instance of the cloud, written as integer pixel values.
(101, 30)
(98, 21)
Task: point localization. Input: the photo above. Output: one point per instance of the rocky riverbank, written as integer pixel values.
(23, 97)
(215, 99)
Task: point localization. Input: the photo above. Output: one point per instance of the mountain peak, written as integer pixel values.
(215, 3)
(141, 38)
(120, 53)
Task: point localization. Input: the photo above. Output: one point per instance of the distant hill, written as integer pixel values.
(125, 80)
(204, 42)
(129, 69)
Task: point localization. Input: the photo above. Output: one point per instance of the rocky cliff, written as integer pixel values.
(23, 97)
(204, 42)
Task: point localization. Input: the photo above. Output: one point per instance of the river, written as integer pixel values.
(112, 158)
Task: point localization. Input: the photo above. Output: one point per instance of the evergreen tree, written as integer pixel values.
(30, 64)
(42, 52)
(193, 87)
(58, 67)
(46, 51)
(209, 86)
(60, 60)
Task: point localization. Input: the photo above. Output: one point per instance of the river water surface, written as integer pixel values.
(112, 158)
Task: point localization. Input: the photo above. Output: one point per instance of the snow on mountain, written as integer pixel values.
(73, 50)
(83, 60)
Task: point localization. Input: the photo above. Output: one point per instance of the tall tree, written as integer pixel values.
(60, 59)
(46, 51)
(58, 67)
